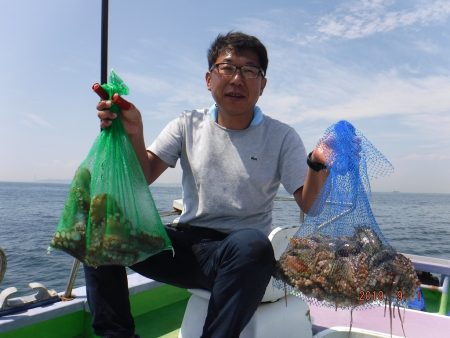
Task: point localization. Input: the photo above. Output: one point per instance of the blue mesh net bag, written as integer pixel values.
(339, 256)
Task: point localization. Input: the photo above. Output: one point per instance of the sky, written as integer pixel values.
(382, 65)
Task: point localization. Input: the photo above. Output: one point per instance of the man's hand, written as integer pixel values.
(321, 154)
(329, 150)
(130, 115)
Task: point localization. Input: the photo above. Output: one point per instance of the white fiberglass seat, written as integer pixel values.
(277, 316)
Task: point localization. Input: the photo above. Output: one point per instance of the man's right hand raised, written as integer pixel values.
(130, 115)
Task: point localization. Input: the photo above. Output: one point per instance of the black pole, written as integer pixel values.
(104, 44)
(103, 79)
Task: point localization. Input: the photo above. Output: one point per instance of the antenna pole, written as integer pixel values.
(104, 43)
(103, 79)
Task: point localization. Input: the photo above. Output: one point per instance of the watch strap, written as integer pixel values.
(316, 166)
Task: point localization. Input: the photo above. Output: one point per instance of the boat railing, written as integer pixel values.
(2, 264)
(437, 266)
(72, 277)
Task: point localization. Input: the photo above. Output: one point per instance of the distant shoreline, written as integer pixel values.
(70, 181)
(162, 184)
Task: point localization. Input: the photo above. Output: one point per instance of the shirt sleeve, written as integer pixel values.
(168, 145)
(293, 166)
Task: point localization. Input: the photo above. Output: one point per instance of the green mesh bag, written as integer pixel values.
(109, 216)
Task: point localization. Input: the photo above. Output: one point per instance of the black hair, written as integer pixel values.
(238, 42)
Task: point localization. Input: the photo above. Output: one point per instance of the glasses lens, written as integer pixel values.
(250, 72)
(228, 69)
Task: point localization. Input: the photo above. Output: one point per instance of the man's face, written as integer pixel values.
(236, 95)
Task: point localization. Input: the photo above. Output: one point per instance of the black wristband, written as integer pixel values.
(315, 165)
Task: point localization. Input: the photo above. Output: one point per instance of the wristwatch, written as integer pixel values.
(316, 166)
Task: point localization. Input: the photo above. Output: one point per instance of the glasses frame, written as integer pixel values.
(236, 68)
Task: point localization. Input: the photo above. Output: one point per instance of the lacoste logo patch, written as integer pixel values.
(254, 158)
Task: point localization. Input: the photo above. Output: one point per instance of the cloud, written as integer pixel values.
(390, 94)
(34, 119)
(433, 128)
(426, 157)
(355, 96)
(419, 105)
(258, 26)
(366, 18)
(428, 46)
(58, 163)
(146, 84)
(163, 99)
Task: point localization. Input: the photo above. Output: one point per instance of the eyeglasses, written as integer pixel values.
(228, 69)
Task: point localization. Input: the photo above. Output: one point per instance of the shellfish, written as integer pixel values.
(353, 271)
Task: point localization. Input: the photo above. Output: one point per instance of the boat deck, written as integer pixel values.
(416, 324)
(164, 318)
(157, 308)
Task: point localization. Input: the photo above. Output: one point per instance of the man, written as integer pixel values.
(233, 159)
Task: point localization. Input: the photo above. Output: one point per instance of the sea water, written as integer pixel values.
(29, 212)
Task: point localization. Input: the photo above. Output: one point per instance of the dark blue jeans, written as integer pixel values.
(235, 268)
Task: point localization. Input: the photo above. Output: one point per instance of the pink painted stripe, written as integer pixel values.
(417, 324)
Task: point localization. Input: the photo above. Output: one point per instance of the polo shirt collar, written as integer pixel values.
(257, 115)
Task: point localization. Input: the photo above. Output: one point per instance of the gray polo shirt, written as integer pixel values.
(230, 177)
